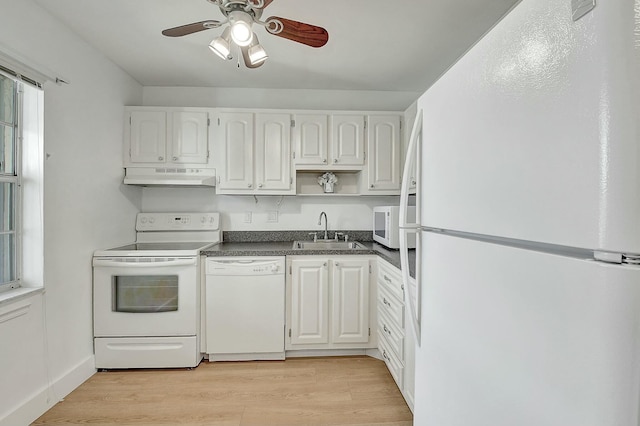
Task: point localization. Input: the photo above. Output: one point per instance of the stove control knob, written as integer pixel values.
(151, 220)
(203, 219)
(275, 268)
(143, 220)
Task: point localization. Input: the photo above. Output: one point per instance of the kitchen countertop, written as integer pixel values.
(285, 248)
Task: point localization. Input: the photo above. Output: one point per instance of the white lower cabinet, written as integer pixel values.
(328, 300)
(396, 340)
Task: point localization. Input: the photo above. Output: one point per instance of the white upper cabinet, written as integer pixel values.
(311, 139)
(273, 152)
(254, 153)
(347, 139)
(189, 143)
(235, 152)
(384, 147)
(329, 141)
(166, 136)
(148, 137)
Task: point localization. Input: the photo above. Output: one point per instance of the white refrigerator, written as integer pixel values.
(526, 298)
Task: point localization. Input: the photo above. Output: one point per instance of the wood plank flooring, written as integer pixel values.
(354, 391)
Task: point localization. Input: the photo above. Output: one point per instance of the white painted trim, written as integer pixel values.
(324, 353)
(43, 400)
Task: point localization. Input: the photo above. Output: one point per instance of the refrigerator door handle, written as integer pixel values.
(409, 163)
(413, 304)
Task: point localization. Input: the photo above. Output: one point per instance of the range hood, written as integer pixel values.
(161, 176)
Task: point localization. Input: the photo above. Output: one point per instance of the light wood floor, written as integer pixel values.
(298, 391)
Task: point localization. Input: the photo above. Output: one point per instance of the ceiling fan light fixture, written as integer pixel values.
(241, 31)
(256, 52)
(220, 45)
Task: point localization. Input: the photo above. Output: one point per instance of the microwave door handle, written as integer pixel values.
(125, 264)
(410, 161)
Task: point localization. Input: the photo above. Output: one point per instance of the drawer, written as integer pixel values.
(391, 307)
(390, 278)
(395, 337)
(396, 368)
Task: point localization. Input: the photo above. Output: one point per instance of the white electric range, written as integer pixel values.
(146, 295)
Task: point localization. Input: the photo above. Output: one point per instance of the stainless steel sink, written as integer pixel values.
(328, 245)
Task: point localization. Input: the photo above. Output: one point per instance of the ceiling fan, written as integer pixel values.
(241, 15)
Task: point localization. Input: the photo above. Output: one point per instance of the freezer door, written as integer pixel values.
(533, 134)
(518, 337)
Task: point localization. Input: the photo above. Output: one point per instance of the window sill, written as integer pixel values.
(17, 294)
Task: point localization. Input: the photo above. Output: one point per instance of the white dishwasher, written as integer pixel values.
(245, 311)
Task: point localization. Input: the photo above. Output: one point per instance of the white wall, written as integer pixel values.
(278, 98)
(85, 205)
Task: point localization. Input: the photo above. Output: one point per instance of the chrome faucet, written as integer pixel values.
(326, 235)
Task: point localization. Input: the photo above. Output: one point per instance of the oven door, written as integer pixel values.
(145, 296)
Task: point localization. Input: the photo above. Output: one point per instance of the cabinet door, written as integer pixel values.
(347, 140)
(148, 137)
(190, 141)
(310, 138)
(309, 301)
(236, 143)
(273, 152)
(384, 147)
(350, 301)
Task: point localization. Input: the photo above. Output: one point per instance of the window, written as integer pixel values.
(9, 183)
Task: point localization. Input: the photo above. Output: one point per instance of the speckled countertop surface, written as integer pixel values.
(242, 245)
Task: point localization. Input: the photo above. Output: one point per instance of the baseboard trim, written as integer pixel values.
(49, 396)
(325, 352)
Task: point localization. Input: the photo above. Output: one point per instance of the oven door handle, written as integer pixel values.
(126, 263)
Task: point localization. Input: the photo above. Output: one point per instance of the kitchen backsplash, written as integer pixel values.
(269, 213)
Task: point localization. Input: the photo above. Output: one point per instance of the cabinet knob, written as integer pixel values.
(249, 185)
(324, 264)
(324, 160)
(335, 160)
(175, 158)
(259, 185)
(372, 186)
(161, 158)
(337, 264)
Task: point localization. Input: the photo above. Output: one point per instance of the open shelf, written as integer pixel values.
(307, 183)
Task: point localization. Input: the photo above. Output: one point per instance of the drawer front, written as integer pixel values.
(393, 364)
(395, 337)
(390, 279)
(391, 307)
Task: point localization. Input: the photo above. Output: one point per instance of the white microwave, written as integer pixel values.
(386, 226)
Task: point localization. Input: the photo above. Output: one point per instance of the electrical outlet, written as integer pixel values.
(272, 216)
(247, 217)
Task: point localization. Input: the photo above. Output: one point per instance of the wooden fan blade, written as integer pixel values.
(266, 3)
(300, 32)
(247, 60)
(190, 28)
